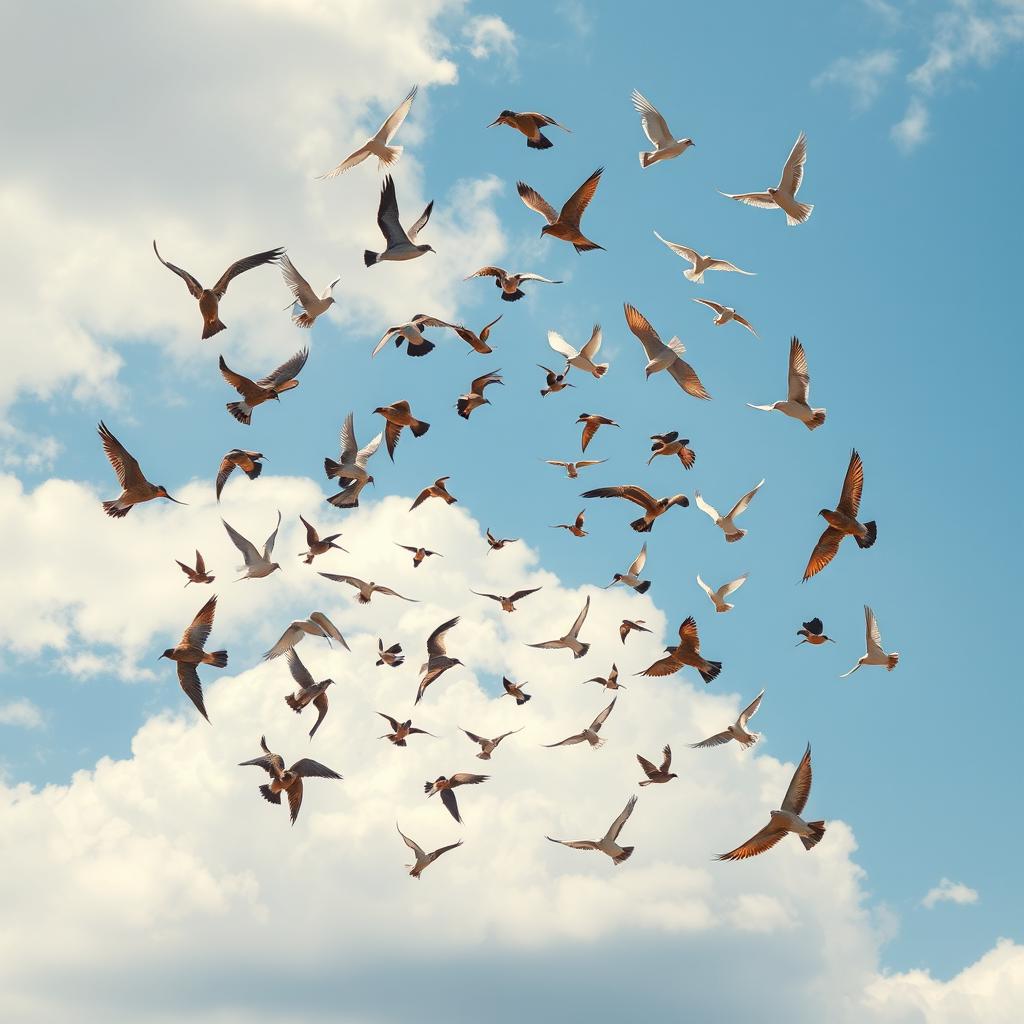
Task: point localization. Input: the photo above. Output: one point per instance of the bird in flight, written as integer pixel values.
(497, 543)
(199, 573)
(653, 507)
(783, 196)
(401, 244)
(631, 577)
(555, 381)
(474, 398)
(657, 774)
(611, 681)
(575, 528)
(629, 626)
(487, 746)
(529, 123)
(438, 661)
(400, 731)
(257, 564)
(671, 444)
(135, 488)
(266, 388)
(875, 652)
(570, 641)
(572, 468)
(664, 357)
(412, 334)
(392, 656)
(842, 521)
(310, 305)
(316, 625)
(718, 596)
(608, 844)
(566, 223)
(365, 591)
(288, 781)
(737, 731)
(437, 489)
(378, 145)
(590, 733)
(316, 544)
(516, 691)
(726, 523)
(700, 264)
(813, 633)
(189, 653)
(582, 359)
(419, 554)
(351, 466)
(446, 786)
(796, 403)
(726, 314)
(398, 415)
(592, 422)
(508, 603)
(309, 692)
(666, 145)
(423, 860)
(509, 283)
(477, 342)
(248, 462)
(687, 652)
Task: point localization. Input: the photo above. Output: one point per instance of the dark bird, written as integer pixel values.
(265, 389)
(813, 633)
(400, 731)
(248, 462)
(653, 507)
(189, 653)
(555, 381)
(289, 780)
(309, 692)
(474, 398)
(445, 787)
(438, 661)
(318, 545)
(199, 573)
(672, 444)
(657, 774)
(687, 652)
(135, 488)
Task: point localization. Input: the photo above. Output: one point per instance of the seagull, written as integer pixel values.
(529, 123)
(718, 596)
(135, 488)
(875, 654)
(399, 415)
(189, 653)
(316, 545)
(256, 565)
(419, 554)
(309, 692)
(786, 820)
(737, 731)
(666, 145)
(474, 398)
(628, 626)
(555, 381)
(366, 590)
(725, 314)
(783, 196)
(477, 342)
(508, 604)
(248, 462)
(570, 641)
(509, 283)
(438, 662)
(401, 244)
(631, 577)
(813, 633)
(392, 657)
(378, 145)
(686, 653)
(400, 731)
(664, 357)
(611, 681)
(436, 490)
(843, 521)
(566, 223)
(572, 468)
(515, 690)
(351, 466)
(287, 781)
(672, 444)
(312, 305)
(725, 523)
(589, 734)
(199, 573)
(209, 298)
(582, 359)
(796, 405)
(701, 264)
(653, 507)
(412, 334)
(656, 774)
(608, 845)
(591, 423)
(575, 528)
(266, 388)
(487, 746)
(316, 625)
(423, 860)
(444, 786)
(497, 543)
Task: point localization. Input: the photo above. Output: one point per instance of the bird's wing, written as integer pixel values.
(872, 632)
(639, 562)
(537, 277)
(750, 710)
(663, 666)
(224, 470)
(705, 507)
(352, 581)
(467, 779)
(793, 171)
(649, 767)
(416, 849)
(388, 592)
(616, 826)
(299, 672)
(436, 640)
(200, 564)
(713, 741)
(761, 200)
(188, 679)
(561, 346)
(520, 594)
(589, 462)
(666, 762)
(312, 537)
(295, 798)
(242, 265)
(194, 287)
(716, 306)
(421, 222)
(287, 371)
(238, 381)
(688, 636)
(799, 376)
(493, 597)
(249, 553)
(268, 548)
(569, 740)
(288, 640)
(394, 120)
(630, 492)
(744, 322)
(593, 345)
(703, 586)
(741, 505)
(680, 250)
(824, 551)
(536, 202)
(479, 383)
(577, 203)
(431, 857)
(307, 768)
(299, 286)
(488, 272)
(347, 439)
(393, 722)
(392, 432)
(596, 724)
(716, 264)
(815, 626)
(198, 631)
(578, 624)
(644, 332)
(733, 585)
(473, 736)
(653, 123)
(853, 486)
(127, 469)
(367, 450)
(759, 843)
(686, 377)
(800, 787)
(511, 732)
(575, 844)
(387, 215)
(329, 628)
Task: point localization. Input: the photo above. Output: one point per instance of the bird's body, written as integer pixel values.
(717, 597)
(189, 653)
(509, 283)
(257, 563)
(842, 521)
(555, 382)
(666, 145)
(135, 488)
(657, 774)
(351, 465)
(631, 577)
(664, 357)
(813, 633)
(564, 224)
(378, 144)
(529, 123)
(653, 507)
(317, 545)
(727, 523)
(474, 398)
(265, 389)
(423, 860)
(287, 780)
(571, 640)
(199, 573)
(401, 243)
(608, 843)
(876, 654)
(700, 264)
(508, 602)
(399, 415)
(446, 786)
(575, 527)
(672, 444)
(737, 731)
(487, 746)
(796, 404)
(686, 652)
(309, 304)
(590, 733)
(783, 196)
(316, 625)
(582, 359)
(629, 626)
(438, 489)
(438, 661)
(391, 656)
(309, 692)
(726, 314)
(238, 458)
(400, 731)
(365, 590)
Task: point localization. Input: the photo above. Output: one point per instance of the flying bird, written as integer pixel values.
(608, 844)
(316, 544)
(725, 314)
(737, 731)
(664, 357)
(397, 416)
(657, 774)
(628, 626)
(257, 564)
(653, 507)
(497, 543)
(666, 145)
(796, 404)
(437, 489)
(700, 264)
(438, 661)
(365, 590)
(566, 223)
(572, 469)
(726, 523)
(309, 692)
(611, 681)
(575, 528)
(401, 244)
(529, 123)
(199, 573)
(446, 787)
(423, 860)
(583, 359)
(687, 652)
(718, 596)
(477, 342)
(392, 656)
(508, 604)
(487, 746)
(509, 283)
(351, 466)
(813, 633)
(266, 388)
(592, 422)
(310, 304)
(516, 691)
(570, 641)
(783, 196)
(474, 398)
(590, 733)
(248, 462)
(135, 488)
(189, 653)
(555, 381)
(631, 577)
(875, 653)
(400, 731)
(288, 781)
(419, 554)
(316, 625)
(378, 145)
(672, 444)
(412, 334)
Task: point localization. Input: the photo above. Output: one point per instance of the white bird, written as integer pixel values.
(351, 465)
(718, 596)
(378, 145)
(401, 244)
(582, 359)
(509, 283)
(700, 263)
(796, 405)
(572, 468)
(423, 860)
(725, 523)
(366, 590)
(316, 625)
(608, 843)
(257, 564)
(737, 731)
(783, 196)
(664, 357)
(589, 734)
(875, 654)
(312, 304)
(631, 577)
(725, 314)
(570, 641)
(666, 145)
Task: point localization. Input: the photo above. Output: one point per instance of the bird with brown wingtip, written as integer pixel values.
(565, 224)
(629, 626)
(248, 462)
(813, 633)
(265, 389)
(592, 422)
(419, 554)
(401, 731)
(657, 774)
(365, 591)
(672, 444)
(516, 691)
(575, 528)
(497, 543)
(653, 507)
(399, 415)
(555, 381)
(474, 398)
(795, 405)
(199, 573)
(401, 243)
(316, 544)
(508, 603)
(610, 681)
(572, 469)
(135, 488)
(487, 746)
(437, 489)
(529, 123)
(288, 781)
(423, 859)
(446, 786)
(664, 357)
(686, 652)
(309, 692)
(392, 656)
(571, 641)
(438, 660)
(509, 283)
(188, 654)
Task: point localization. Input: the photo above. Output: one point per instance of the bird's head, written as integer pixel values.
(502, 118)
(546, 230)
(167, 654)
(672, 775)
(772, 191)
(275, 396)
(427, 248)
(584, 416)
(824, 513)
(687, 143)
(161, 492)
(370, 480)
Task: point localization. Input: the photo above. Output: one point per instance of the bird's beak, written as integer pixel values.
(494, 122)
(175, 500)
(161, 656)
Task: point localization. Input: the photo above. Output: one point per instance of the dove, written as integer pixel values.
(199, 573)
(401, 244)
(608, 844)
(572, 469)
(657, 774)
(671, 444)
(508, 603)
(529, 123)
(365, 590)
(188, 654)
(266, 388)
(509, 283)
(288, 781)
(135, 488)
(842, 522)
(687, 652)
(725, 314)
(487, 746)
(666, 145)
(316, 625)
(664, 357)
(309, 692)
(445, 787)
(589, 734)
(718, 596)
(795, 405)
(570, 641)
(423, 860)
(653, 507)
(631, 577)
(257, 564)
(248, 462)
(725, 523)
(474, 398)
(737, 731)
(783, 196)
(303, 296)
(400, 731)
(316, 545)
(875, 653)
(582, 359)
(566, 223)
(701, 264)
(378, 145)
(575, 528)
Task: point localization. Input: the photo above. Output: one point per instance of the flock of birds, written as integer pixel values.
(351, 472)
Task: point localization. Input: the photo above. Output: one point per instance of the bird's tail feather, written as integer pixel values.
(692, 275)
(210, 329)
(585, 245)
(711, 672)
(389, 155)
(643, 587)
(510, 296)
(240, 411)
(369, 258)
(539, 143)
(645, 158)
(803, 211)
(733, 537)
(218, 659)
(583, 650)
(331, 468)
(893, 661)
(817, 831)
(522, 700)
(866, 542)
(419, 428)
(816, 420)
(116, 511)
(627, 852)
(293, 703)
(641, 525)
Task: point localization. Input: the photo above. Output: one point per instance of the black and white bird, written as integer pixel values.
(401, 244)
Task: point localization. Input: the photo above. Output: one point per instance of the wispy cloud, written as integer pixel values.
(912, 130)
(949, 892)
(863, 75)
(489, 37)
(22, 713)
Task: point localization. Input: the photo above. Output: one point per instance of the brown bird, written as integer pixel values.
(318, 546)
(529, 123)
(655, 774)
(571, 641)
(365, 590)
(199, 573)
(135, 488)
(843, 521)
(477, 342)
(497, 543)
(436, 490)
(589, 734)
(515, 690)
(672, 444)
(287, 781)
(664, 357)
(510, 284)
(487, 746)
(653, 507)
(248, 462)
(474, 398)
(813, 633)
(266, 388)
(592, 422)
(628, 626)
(401, 731)
(391, 657)
(611, 682)
(398, 415)
(576, 528)
(555, 381)
(419, 554)
(209, 298)
(309, 692)
(423, 860)
(686, 653)
(508, 604)
(444, 786)
(189, 653)
(438, 662)
(566, 223)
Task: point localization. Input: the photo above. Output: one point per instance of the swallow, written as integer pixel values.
(257, 564)
(629, 626)
(555, 381)
(875, 652)
(188, 653)
(248, 462)
(309, 692)
(316, 545)
(572, 469)
(571, 640)
(657, 774)
(737, 731)
(316, 625)
(309, 304)
(401, 244)
(653, 507)
(398, 415)
(445, 787)
(589, 734)
(392, 657)
(378, 144)
(508, 604)
(813, 633)
(566, 223)
(289, 780)
(611, 681)
(487, 746)
(509, 283)
(436, 490)
(631, 577)
(199, 573)
(423, 860)
(671, 444)
(419, 554)
(726, 523)
(401, 731)
(474, 398)
(265, 389)
(592, 422)
(438, 661)
(365, 590)
(515, 690)
(608, 844)
(687, 652)
(575, 528)
(783, 196)
(135, 488)
(529, 123)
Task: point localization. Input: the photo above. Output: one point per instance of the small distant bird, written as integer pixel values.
(796, 404)
(423, 860)
(655, 774)
(813, 633)
(419, 554)
(365, 590)
(686, 653)
(309, 692)
(412, 334)
(392, 656)
(628, 626)
(555, 381)
(575, 528)
(445, 787)
(783, 196)
(474, 398)
(401, 244)
(608, 845)
(516, 691)
(438, 661)
(572, 469)
(566, 223)
(653, 507)
(672, 444)
(725, 523)
(209, 298)
(400, 731)
(725, 314)
(875, 653)
(477, 342)
(289, 780)
(497, 543)
(508, 604)
(583, 359)
(611, 681)
(589, 734)
(570, 641)
(737, 731)
(592, 422)
(399, 415)
(199, 573)
(135, 488)
(631, 577)
(257, 564)
(701, 264)
(310, 304)
(718, 596)
(351, 466)
(664, 357)
(786, 820)
(487, 746)
(378, 145)
(437, 489)
(316, 625)
(842, 522)
(188, 653)
(666, 145)
(529, 123)
(266, 388)
(317, 546)
(509, 283)
(248, 462)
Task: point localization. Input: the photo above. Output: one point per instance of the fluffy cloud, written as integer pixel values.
(22, 713)
(863, 75)
(949, 892)
(489, 36)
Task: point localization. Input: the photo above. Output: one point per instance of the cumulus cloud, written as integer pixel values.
(863, 76)
(21, 713)
(489, 36)
(949, 892)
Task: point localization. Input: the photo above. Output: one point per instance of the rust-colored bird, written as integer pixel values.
(392, 656)
(438, 661)
(419, 555)
(628, 626)
(477, 342)
(189, 653)
(566, 223)
(199, 573)
(687, 652)
(401, 731)
(529, 123)
(592, 422)
(265, 389)
(309, 692)
(653, 507)
(813, 633)
(318, 545)
(248, 462)
(398, 415)
(497, 543)
(289, 780)
(575, 528)
(135, 488)
(672, 444)
(515, 690)
(436, 490)
(657, 774)
(555, 381)
(487, 746)
(445, 787)
(508, 604)
(423, 860)
(474, 398)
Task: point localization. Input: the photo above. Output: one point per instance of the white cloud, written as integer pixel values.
(912, 130)
(489, 36)
(949, 892)
(863, 75)
(22, 713)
